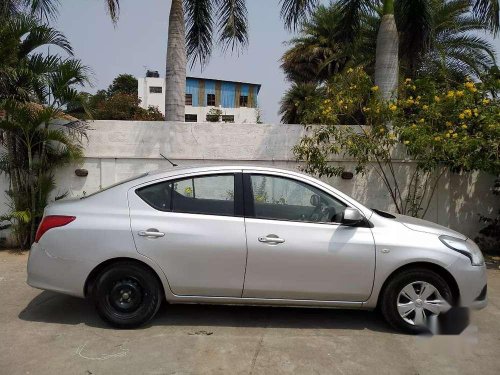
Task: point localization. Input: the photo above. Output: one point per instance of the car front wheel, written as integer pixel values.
(127, 295)
(413, 300)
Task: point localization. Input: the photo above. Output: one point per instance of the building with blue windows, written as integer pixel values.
(206, 99)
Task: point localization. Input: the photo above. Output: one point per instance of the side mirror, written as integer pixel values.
(351, 217)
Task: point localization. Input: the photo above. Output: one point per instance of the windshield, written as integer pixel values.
(115, 184)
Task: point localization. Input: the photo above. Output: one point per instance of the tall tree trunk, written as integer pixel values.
(387, 59)
(175, 88)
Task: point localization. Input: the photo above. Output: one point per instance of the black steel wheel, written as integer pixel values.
(127, 294)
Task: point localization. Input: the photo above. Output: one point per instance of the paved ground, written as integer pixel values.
(47, 333)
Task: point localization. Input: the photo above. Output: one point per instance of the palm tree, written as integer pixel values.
(354, 12)
(175, 74)
(39, 150)
(47, 10)
(34, 91)
(445, 42)
(229, 17)
(292, 105)
(386, 58)
(456, 49)
(321, 49)
(191, 32)
(193, 40)
(23, 67)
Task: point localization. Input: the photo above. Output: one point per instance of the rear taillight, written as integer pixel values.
(49, 222)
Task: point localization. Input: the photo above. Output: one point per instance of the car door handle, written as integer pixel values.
(150, 233)
(269, 239)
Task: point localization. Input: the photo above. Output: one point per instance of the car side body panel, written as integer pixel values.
(398, 246)
(196, 265)
(316, 261)
(64, 257)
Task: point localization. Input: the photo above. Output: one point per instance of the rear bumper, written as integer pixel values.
(49, 272)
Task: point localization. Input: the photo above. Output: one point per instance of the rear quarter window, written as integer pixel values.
(208, 195)
(157, 196)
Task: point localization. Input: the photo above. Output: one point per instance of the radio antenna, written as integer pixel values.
(167, 159)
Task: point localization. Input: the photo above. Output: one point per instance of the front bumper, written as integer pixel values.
(481, 300)
(472, 283)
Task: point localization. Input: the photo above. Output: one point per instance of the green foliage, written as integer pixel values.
(24, 71)
(36, 134)
(38, 140)
(121, 106)
(293, 106)
(458, 128)
(258, 116)
(260, 193)
(150, 114)
(489, 237)
(124, 84)
(436, 38)
(118, 102)
(47, 10)
(43, 9)
(439, 129)
(322, 48)
(491, 82)
(18, 222)
(214, 115)
(206, 19)
(117, 107)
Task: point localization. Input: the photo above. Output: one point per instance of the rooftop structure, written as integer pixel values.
(206, 99)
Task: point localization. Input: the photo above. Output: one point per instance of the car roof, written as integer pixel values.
(174, 171)
(211, 168)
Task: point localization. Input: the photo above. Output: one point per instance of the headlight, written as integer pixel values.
(467, 248)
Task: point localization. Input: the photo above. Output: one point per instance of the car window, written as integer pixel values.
(281, 198)
(212, 195)
(157, 196)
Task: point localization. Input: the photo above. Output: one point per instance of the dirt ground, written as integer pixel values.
(47, 333)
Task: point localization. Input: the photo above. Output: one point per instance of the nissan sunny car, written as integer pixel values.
(250, 235)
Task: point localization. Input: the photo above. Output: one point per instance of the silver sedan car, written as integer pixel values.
(250, 235)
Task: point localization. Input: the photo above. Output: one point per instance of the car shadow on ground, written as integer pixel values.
(56, 308)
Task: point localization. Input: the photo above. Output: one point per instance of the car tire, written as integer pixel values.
(394, 297)
(127, 294)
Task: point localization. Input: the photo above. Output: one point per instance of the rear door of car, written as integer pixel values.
(193, 227)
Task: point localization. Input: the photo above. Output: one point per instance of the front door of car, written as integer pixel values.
(297, 248)
(194, 229)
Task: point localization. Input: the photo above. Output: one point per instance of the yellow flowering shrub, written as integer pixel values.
(440, 128)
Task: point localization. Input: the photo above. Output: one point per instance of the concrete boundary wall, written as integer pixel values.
(121, 149)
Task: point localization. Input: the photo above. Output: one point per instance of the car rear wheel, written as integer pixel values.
(127, 295)
(414, 299)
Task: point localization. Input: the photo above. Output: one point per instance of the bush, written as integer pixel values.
(438, 128)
